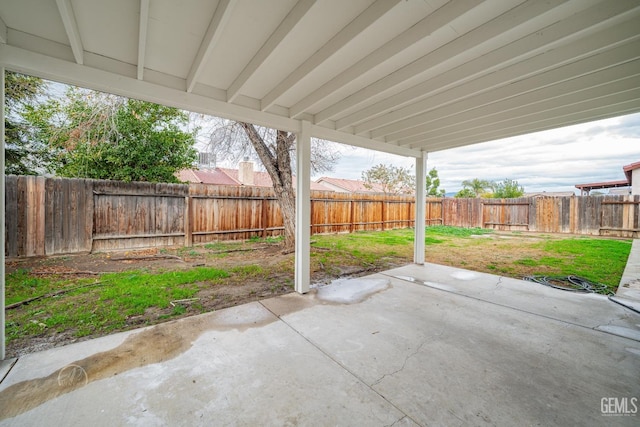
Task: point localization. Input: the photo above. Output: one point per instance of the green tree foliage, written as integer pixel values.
(477, 187)
(24, 154)
(433, 184)
(465, 193)
(508, 189)
(392, 179)
(101, 136)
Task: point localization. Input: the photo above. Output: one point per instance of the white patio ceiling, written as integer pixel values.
(401, 76)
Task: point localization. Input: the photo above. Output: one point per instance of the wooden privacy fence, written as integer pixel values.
(48, 216)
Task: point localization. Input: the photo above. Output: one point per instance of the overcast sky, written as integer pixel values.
(554, 160)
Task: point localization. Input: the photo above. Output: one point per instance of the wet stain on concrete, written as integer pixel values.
(352, 291)
(154, 345)
(290, 303)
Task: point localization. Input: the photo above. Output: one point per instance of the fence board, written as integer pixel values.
(21, 220)
(11, 215)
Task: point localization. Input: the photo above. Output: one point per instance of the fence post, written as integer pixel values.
(263, 217)
(351, 222)
(188, 237)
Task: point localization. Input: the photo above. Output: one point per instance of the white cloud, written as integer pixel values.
(553, 160)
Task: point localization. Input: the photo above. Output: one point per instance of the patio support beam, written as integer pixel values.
(142, 36)
(572, 58)
(2, 226)
(421, 193)
(348, 33)
(303, 209)
(430, 24)
(525, 47)
(71, 27)
(220, 18)
(290, 21)
(3, 31)
(505, 22)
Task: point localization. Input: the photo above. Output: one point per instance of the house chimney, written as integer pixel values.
(245, 172)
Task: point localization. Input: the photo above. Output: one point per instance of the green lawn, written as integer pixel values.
(116, 301)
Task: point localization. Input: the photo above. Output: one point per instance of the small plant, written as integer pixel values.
(255, 239)
(178, 310)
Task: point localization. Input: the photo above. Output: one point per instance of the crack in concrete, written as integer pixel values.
(406, 359)
(396, 421)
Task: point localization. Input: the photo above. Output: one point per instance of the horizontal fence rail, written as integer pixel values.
(49, 216)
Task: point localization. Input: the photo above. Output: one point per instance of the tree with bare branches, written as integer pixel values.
(275, 149)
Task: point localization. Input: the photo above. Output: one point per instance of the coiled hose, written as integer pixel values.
(570, 283)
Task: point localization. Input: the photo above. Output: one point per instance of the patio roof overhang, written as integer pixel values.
(401, 76)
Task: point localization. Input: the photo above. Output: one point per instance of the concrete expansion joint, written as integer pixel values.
(350, 372)
(6, 374)
(406, 359)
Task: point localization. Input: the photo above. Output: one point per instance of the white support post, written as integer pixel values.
(2, 226)
(421, 197)
(303, 209)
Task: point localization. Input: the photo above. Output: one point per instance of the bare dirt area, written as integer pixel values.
(257, 270)
(227, 293)
(276, 278)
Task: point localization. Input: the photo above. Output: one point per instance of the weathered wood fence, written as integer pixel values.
(48, 216)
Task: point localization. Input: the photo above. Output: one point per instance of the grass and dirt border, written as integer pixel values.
(53, 303)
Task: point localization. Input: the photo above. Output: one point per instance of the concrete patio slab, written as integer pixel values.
(387, 349)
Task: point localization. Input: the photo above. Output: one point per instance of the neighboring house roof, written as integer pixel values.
(349, 185)
(260, 179)
(601, 185)
(613, 184)
(629, 168)
(225, 176)
(549, 194)
(209, 176)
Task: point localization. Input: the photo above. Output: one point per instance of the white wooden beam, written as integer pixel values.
(526, 47)
(421, 198)
(533, 116)
(438, 19)
(471, 40)
(220, 19)
(568, 117)
(594, 85)
(355, 27)
(71, 27)
(303, 209)
(290, 21)
(613, 93)
(604, 113)
(579, 75)
(3, 31)
(359, 141)
(3, 237)
(39, 65)
(142, 36)
(411, 115)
